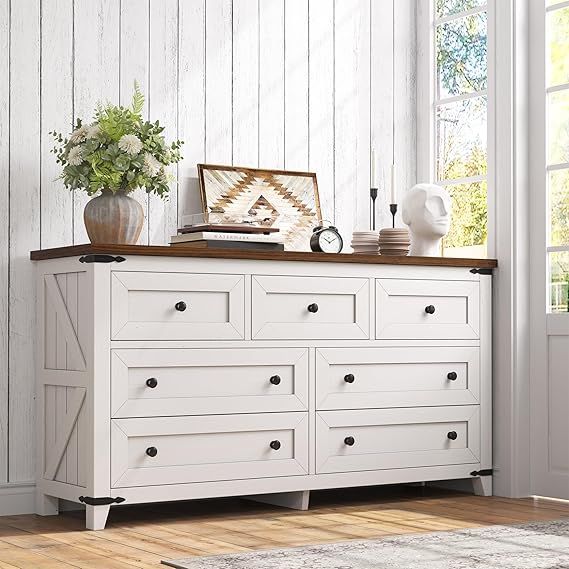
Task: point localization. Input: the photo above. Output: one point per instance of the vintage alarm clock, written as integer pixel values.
(326, 239)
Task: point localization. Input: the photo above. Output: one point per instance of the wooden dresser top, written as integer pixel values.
(167, 251)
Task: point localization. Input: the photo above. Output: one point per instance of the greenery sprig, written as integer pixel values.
(118, 151)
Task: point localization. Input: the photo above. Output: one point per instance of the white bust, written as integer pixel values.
(426, 210)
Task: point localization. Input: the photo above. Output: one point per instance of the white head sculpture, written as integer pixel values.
(426, 210)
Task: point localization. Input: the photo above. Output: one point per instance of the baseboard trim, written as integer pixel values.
(17, 498)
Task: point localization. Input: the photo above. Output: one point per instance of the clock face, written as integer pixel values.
(330, 241)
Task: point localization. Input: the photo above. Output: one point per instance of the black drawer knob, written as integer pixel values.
(313, 308)
(349, 441)
(349, 378)
(152, 451)
(452, 435)
(275, 380)
(181, 306)
(152, 382)
(430, 309)
(275, 445)
(451, 376)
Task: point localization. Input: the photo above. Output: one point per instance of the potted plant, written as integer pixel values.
(109, 158)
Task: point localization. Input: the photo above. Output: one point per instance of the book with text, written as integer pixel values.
(220, 236)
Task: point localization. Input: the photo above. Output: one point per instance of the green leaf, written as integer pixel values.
(137, 100)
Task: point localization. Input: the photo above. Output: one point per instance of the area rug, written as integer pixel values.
(528, 546)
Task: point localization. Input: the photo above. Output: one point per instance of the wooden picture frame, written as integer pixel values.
(285, 199)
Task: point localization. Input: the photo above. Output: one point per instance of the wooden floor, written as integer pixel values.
(141, 536)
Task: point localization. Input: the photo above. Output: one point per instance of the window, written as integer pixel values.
(456, 130)
(557, 141)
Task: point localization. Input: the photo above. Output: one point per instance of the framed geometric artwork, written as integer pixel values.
(270, 198)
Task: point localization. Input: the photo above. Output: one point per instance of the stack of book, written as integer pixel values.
(229, 236)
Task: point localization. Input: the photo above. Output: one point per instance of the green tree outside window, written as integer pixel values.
(462, 68)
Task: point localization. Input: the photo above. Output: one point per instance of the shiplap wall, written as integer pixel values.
(298, 84)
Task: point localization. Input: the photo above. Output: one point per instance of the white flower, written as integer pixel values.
(75, 156)
(130, 144)
(93, 131)
(166, 177)
(151, 166)
(79, 134)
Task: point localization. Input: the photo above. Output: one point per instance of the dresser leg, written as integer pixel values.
(96, 516)
(482, 485)
(46, 505)
(293, 500)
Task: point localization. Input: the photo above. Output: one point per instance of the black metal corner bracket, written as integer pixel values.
(481, 271)
(101, 501)
(485, 472)
(101, 259)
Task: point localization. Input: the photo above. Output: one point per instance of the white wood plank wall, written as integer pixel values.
(299, 84)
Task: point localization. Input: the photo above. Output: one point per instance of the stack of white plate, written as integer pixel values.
(395, 242)
(365, 242)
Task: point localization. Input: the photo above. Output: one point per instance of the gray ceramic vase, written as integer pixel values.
(113, 218)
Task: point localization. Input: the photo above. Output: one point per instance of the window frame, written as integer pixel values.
(541, 108)
(539, 172)
(427, 103)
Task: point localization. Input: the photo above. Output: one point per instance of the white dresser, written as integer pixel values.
(165, 374)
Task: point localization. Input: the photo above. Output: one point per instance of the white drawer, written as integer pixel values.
(427, 309)
(360, 378)
(396, 438)
(159, 382)
(177, 306)
(310, 308)
(182, 450)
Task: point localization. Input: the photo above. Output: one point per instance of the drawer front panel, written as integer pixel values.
(177, 306)
(208, 381)
(182, 450)
(425, 309)
(396, 438)
(310, 308)
(360, 378)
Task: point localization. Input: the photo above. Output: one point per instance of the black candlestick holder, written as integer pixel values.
(393, 210)
(372, 196)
